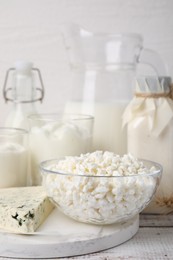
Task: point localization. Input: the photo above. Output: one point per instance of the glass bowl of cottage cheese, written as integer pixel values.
(100, 187)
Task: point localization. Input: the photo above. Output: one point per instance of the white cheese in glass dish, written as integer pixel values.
(100, 187)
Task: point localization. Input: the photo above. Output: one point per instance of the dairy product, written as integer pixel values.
(108, 134)
(55, 139)
(13, 165)
(22, 210)
(142, 143)
(100, 187)
(149, 118)
(17, 117)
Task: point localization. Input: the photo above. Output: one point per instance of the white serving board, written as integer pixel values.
(60, 236)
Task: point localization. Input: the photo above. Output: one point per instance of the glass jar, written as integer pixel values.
(149, 118)
(14, 170)
(103, 68)
(57, 135)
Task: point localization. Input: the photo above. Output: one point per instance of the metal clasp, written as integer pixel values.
(7, 90)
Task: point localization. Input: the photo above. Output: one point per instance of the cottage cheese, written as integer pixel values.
(95, 190)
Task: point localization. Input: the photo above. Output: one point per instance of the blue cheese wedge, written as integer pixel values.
(23, 209)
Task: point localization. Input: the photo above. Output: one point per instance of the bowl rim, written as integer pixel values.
(57, 116)
(43, 170)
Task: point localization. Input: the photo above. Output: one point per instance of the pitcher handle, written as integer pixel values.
(153, 59)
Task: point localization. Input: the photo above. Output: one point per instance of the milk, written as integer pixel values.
(13, 165)
(108, 133)
(55, 140)
(142, 144)
(17, 117)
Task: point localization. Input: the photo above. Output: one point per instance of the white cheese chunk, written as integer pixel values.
(23, 209)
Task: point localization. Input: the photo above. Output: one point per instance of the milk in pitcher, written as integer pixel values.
(108, 133)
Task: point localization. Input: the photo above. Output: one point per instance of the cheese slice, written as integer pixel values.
(23, 209)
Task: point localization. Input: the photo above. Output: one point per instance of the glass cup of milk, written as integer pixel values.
(13, 157)
(57, 135)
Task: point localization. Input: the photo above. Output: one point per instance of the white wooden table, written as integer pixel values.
(154, 240)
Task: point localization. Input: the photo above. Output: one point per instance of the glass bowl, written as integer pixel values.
(100, 199)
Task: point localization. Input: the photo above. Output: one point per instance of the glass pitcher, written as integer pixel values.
(103, 68)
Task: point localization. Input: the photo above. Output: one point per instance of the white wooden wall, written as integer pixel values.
(30, 30)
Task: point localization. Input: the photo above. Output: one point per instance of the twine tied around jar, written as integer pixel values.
(156, 101)
(156, 95)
